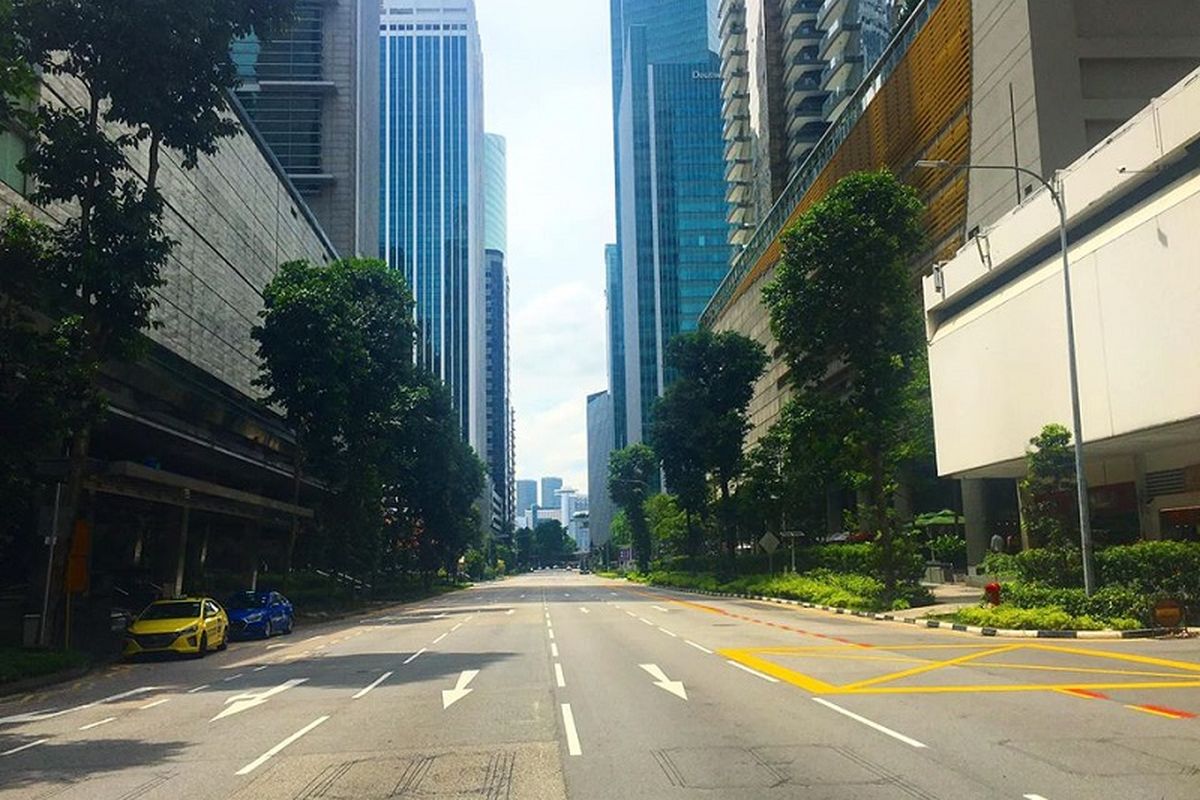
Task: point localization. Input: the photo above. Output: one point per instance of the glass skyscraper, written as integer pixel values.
(431, 194)
(672, 215)
(500, 456)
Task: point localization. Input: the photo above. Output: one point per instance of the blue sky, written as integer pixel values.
(546, 87)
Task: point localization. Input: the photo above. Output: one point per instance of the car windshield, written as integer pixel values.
(180, 610)
(245, 600)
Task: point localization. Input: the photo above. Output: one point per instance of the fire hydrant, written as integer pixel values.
(992, 592)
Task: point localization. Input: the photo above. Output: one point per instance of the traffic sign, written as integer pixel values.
(769, 542)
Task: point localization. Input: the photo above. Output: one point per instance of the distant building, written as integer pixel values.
(550, 487)
(578, 530)
(615, 339)
(526, 496)
(499, 456)
(600, 446)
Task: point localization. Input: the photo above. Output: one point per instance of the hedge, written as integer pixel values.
(823, 587)
(1046, 618)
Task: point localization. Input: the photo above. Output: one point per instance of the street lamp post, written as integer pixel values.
(1056, 194)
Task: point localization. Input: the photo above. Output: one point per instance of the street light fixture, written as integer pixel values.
(1056, 194)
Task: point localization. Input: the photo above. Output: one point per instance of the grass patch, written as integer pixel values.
(1045, 618)
(18, 663)
(822, 587)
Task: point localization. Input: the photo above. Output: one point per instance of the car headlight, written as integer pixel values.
(188, 629)
(254, 617)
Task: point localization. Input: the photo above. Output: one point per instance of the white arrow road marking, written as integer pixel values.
(274, 751)
(362, 692)
(23, 747)
(572, 735)
(89, 726)
(38, 716)
(662, 682)
(243, 702)
(870, 724)
(460, 690)
(558, 676)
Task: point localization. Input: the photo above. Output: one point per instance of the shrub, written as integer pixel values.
(1168, 568)
(1108, 603)
(1002, 565)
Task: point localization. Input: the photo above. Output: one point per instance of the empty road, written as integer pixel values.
(555, 685)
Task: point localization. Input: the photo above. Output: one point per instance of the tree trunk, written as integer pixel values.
(727, 528)
(879, 521)
(76, 473)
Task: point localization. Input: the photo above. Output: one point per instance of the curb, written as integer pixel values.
(27, 685)
(1002, 633)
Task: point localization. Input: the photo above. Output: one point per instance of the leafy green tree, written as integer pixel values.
(700, 422)
(845, 313)
(135, 90)
(524, 540)
(632, 471)
(620, 532)
(1052, 516)
(668, 525)
(551, 543)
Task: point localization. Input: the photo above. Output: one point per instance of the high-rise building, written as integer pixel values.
(672, 227)
(600, 446)
(615, 335)
(550, 487)
(526, 496)
(432, 203)
(499, 454)
(311, 94)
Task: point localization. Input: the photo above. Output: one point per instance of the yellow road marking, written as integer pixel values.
(1095, 670)
(1157, 712)
(1019, 687)
(806, 682)
(1157, 662)
(929, 667)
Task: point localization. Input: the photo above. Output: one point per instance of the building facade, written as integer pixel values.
(526, 496)
(672, 226)
(432, 198)
(550, 487)
(500, 455)
(614, 331)
(600, 447)
(311, 94)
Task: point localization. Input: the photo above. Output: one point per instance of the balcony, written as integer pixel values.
(733, 39)
(811, 110)
(738, 194)
(843, 72)
(841, 37)
(831, 10)
(735, 125)
(803, 63)
(805, 37)
(737, 148)
(737, 61)
(729, 13)
(737, 170)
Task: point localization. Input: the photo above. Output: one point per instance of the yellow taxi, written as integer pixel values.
(189, 626)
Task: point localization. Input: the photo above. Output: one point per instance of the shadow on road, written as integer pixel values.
(52, 765)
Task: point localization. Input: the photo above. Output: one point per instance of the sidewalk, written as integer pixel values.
(948, 598)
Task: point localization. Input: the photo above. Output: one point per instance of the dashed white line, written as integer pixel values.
(456, 627)
(438, 639)
(660, 608)
(16, 750)
(1033, 797)
(155, 703)
(648, 622)
(669, 633)
(871, 724)
(699, 647)
(554, 649)
(572, 735)
(753, 672)
(199, 688)
(550, 633)
(260, 669)
(274, 646)
(413, 657)
(584, 610)
(630, 613)
(311, 638)
(558, 676)
(233, 677)
(91, 725)
(363, 691)
(274, 751)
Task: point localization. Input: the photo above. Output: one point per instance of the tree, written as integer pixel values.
(631, 472)
(844, 311)
(551, 543)
(135, 88)
(700, 421)
(667, 524)
(1052, 516)
(336, 345)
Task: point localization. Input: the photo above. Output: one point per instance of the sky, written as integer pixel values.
(546, 90)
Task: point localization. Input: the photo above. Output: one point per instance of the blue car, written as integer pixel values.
(258, 615)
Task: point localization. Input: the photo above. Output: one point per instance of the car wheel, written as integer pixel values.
(224, 641)
(268, 630)
(291, 623)
(203, 650)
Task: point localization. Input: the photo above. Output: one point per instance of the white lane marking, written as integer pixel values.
(244, 702)
(460, 690)
(38, 716)
(468, 619)
(155, 703)
(663, 682)
(753, 672)
(554, 649)
(699, 647)
(199, 688)
(273, 646)
(566, 594)
(630, 613)
(522, 597)
(1033, 797)
(869, 723)
(614, 594)
(660, 608)
(274, 751)
(260, 669)
(558, 676)
(233, 677)
(23, 747)
(668, 633)
(584, 610)
(91, 725)
(363, 691)
(550, 633)
(648, 622)
(438, 639)
(456, 627)
(572, 735)
(510, 612)
(312, 638)
(414, 655)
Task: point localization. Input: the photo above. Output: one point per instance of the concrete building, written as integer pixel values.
(189, 470)
(950, 86)
(550, 487)
(996, 322)
(579, 531)
(600, 447)
(526, 496)
(672, 228)
(500, 440)
(432, 206)
(311, 93)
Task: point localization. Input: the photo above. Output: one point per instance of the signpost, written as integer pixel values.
(770, 543)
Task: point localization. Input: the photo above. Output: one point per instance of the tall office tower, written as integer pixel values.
(526, 495)
(432, 206)
(615, 336)
(311, 94)
(550, 487)
(856, 32)
(498, 386)
(672, 226)
(599, 448)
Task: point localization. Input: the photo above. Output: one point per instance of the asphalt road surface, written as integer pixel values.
(557, 685)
